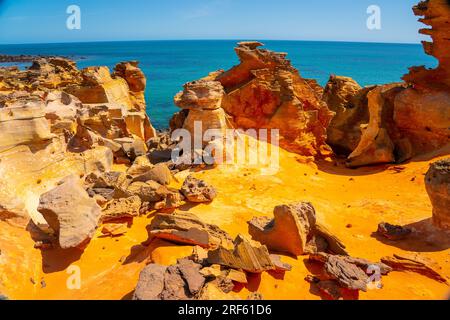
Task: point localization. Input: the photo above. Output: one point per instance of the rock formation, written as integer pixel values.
(56, 121)
(395, 122)
(263, 92)
(437, 183)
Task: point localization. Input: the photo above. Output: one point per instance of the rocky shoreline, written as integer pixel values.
(6, 58)
(80, 162)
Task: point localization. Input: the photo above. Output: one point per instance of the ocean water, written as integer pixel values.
(170, 64)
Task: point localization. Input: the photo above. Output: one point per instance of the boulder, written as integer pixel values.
(289, 231)
(186, 228)
(200, 95)
(70, 212)
(197, 191)
(437, 182)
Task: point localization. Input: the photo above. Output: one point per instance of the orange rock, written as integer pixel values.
(266, 91)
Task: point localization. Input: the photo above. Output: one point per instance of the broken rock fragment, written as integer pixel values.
(122, 209)
(70, 212)
(197, 191)
(246, 255)
(186, 228)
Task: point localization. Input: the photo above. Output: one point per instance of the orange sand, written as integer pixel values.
(361, 198)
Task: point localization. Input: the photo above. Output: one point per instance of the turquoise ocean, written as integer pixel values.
(169, 64)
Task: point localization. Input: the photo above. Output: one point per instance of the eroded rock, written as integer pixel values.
(186, 228)
(124, 208)
(197, 191)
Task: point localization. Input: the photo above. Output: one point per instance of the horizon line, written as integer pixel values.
(206, 39)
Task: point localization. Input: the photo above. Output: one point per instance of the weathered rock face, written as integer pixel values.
(376, 145)
(70, 212)
(422, 111)
(395, 122)
(436, 14)
(263, 92)
(349, 101)
(438, 187)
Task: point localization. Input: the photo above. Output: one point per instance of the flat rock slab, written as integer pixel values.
(70, 212)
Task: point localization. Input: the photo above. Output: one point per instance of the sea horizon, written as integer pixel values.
(168, 64)
(208, 39)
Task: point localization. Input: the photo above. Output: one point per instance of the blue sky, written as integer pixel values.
(44, 21)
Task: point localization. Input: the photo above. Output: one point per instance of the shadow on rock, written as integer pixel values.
(424, 238)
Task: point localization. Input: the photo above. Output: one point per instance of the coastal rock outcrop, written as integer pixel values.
(70, 212)
(56, 121)
(437, 182)
(395, 122)
(263, 92)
